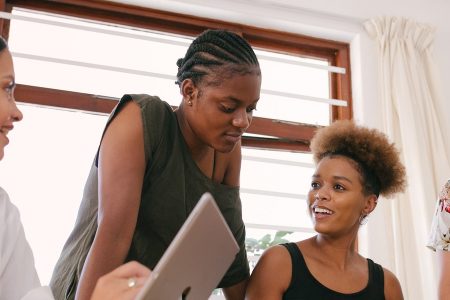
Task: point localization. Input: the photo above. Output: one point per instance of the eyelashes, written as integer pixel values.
(251, 109)
(9, 89)
(338, 187)
(227, 109)
(230, 110)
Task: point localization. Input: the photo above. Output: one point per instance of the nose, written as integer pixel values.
(321, 195)
(16, 115)
(242, 119)
(317, 196)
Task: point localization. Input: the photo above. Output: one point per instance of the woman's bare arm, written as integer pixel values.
(444, 274)
(392, 288)
(121, 167)
(271, 276)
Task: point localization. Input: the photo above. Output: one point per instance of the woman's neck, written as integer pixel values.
(196, 147)
(338, 251)
(202, 154)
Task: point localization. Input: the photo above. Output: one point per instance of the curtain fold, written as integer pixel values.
(409, 92)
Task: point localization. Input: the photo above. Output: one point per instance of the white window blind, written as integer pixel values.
(95, 54)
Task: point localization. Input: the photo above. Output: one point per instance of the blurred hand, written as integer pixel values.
(123, 283)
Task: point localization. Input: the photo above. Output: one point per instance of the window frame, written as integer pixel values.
(287, 135)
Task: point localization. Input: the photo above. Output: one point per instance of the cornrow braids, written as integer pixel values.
(3, 44)
(214, 49)
(244, 50)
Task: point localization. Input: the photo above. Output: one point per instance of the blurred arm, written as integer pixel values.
(444, 274)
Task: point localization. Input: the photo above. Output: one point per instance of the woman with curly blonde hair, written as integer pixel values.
(354, 165)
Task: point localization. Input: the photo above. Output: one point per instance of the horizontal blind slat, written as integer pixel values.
(272, 193)
(279, 227)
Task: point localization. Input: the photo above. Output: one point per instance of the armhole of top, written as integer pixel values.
(112, 115)
(153, 111)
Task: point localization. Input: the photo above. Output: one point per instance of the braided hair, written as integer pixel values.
(3, 44)
(215, 49)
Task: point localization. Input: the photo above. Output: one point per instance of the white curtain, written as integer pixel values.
(409, 85)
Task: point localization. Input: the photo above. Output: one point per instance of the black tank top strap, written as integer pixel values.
(376, 277)
(296, 259)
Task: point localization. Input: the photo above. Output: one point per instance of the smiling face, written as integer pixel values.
(336, 199)
(218, 115)
(9, 113)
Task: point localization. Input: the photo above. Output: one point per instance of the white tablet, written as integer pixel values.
(196, 260)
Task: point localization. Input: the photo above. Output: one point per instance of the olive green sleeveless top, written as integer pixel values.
(173, 184)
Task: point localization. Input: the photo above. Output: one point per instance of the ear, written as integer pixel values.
(370, 204)
(188, 89)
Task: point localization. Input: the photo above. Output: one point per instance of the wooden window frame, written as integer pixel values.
(288, 136)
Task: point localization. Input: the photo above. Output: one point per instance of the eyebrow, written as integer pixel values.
(237, 101)
(315, 176)
(10, 77)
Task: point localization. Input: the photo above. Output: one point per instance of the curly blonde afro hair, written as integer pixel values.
(376, 158)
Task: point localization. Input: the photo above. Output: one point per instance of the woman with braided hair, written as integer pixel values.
(354, 165)
(153, 164)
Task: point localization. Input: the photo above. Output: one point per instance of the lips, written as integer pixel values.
(6, 138)
(233, 137)
(5, 130)
(321, 212)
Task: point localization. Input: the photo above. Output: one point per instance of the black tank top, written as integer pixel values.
(304, 286)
